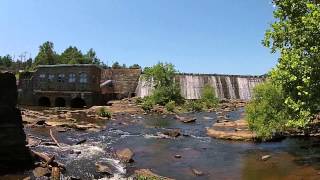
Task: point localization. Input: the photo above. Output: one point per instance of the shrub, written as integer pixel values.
(147, 104)
(194, 105)
(102, 112)
(170, 106)
(139, 100)
(208, 97)
(266, 112)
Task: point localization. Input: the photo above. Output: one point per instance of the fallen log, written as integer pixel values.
(48, 160)
(54, 139)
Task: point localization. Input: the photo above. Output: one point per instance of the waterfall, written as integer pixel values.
(225, 86)
(191, 86)
(144, 88)
(231, 88)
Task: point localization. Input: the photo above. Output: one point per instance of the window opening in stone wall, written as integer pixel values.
(42, 76)
(61, 78)
(72, 78)
(83, 78)
(50, 77)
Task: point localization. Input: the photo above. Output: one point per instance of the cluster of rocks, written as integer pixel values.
(14, 155)
(232, 130)
(77, 119)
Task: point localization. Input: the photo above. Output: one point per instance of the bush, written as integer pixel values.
(104, 113)
(208, 97)
(194, 105)
(170, 106)
(139, 100)
(266, 112)
(163, 95)
(147, 104)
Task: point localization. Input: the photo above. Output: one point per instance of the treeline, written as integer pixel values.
(48, 56)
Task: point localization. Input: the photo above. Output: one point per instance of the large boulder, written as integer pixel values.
(125, 155)
(14, 155)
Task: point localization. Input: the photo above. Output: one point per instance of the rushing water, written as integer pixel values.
(217, 159)
(229, 87)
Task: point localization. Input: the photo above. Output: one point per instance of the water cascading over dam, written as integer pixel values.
(226, 86)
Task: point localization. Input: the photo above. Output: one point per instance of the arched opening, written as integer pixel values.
(44, 101)
(77, 103)
(60, 102)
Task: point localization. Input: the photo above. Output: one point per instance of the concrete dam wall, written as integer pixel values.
(225, 86)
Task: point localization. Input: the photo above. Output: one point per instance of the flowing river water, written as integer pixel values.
(292, 158)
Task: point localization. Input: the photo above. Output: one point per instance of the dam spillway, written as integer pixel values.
(225, 86)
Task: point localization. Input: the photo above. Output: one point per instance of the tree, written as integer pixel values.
(6, 61)
(296, 36)
(72, 55)
(162, 77)
(135, 66)
(116, 65)
(266, 112)
(46, 54)
(91, 58)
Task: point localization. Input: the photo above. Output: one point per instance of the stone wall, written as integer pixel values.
(125, 81)
(13, 152)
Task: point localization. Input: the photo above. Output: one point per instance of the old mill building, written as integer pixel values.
(76, 85)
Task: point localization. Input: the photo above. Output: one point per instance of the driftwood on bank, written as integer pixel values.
(48, 160)
(54, 139)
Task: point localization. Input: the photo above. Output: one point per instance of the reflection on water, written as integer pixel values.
(217, 159)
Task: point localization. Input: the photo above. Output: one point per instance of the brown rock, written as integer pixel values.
(40, 171)
(102, 168)
(172, 132)
(197, 172)
(266, 157)
(185, 119)
(146, 173)
(125, 155)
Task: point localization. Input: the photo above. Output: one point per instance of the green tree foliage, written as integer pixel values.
(135, 66)
(266, 112)
(170, 106)
(296, 36)
(91, 58)
(208, 97)
(72, 55)
(46, 54)
(116, 65)
(6, 61)
(162, 77)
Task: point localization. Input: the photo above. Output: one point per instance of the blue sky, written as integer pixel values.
(204, 36)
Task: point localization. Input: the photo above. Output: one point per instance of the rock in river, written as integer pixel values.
(125, 155)
(186, 119)
(103, 168)
(197, 172)
(148, 174)
(266, 157)
(172, 132)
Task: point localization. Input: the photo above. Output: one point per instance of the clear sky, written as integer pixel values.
(204, 36)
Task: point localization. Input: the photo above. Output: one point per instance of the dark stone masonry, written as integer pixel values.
(14, 155)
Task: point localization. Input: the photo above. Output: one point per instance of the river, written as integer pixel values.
(291, 158)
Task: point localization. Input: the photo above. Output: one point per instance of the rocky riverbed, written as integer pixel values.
(133, 144)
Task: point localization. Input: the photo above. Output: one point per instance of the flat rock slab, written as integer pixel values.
(237, 130)
(148, 174)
